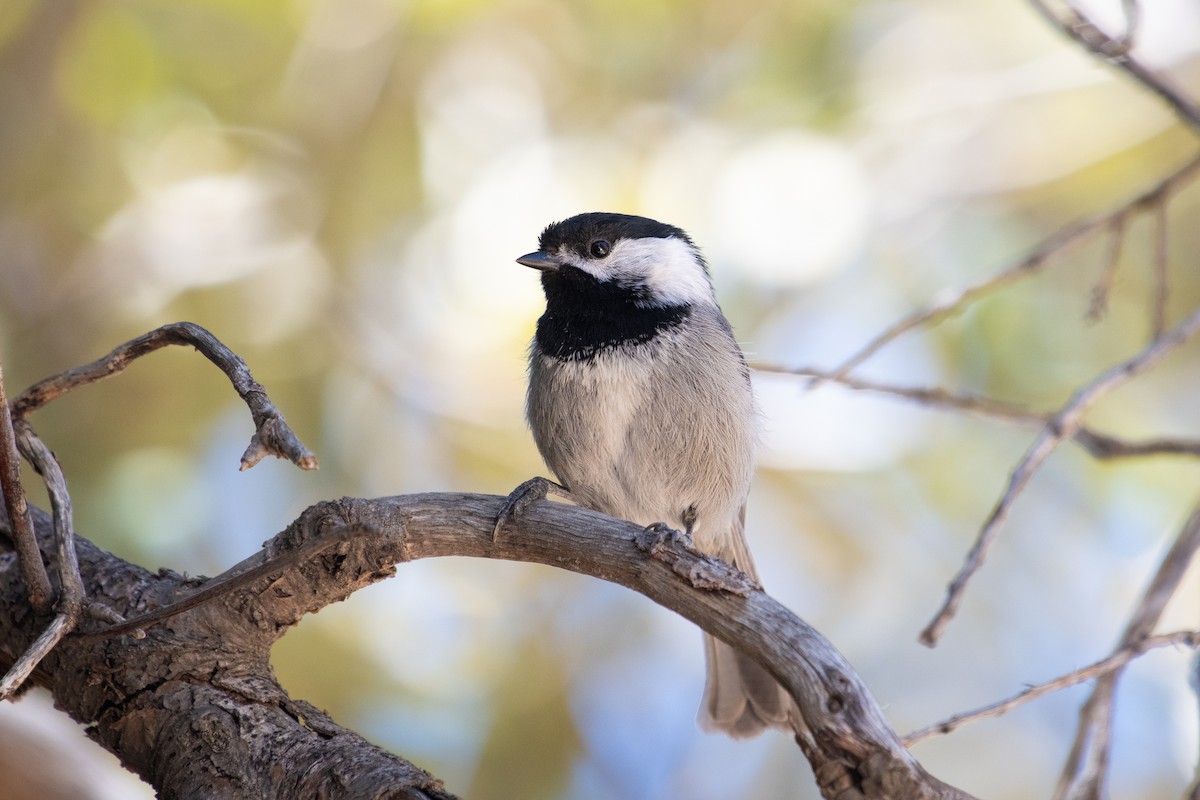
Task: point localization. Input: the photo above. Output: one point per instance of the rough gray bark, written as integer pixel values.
(194, 708)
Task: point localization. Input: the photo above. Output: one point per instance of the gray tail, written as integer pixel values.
(741, 699)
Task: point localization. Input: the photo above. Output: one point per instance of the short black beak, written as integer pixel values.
(539, 260)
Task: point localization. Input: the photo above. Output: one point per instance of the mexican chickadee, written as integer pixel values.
(640, 402)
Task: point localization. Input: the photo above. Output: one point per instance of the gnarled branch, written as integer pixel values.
(853, 750)
(272, 436)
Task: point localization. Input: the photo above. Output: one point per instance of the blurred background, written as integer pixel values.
(338, 188)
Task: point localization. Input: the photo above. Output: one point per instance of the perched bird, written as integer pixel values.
(640, 402)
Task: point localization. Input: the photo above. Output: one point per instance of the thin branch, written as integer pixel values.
(272, 436)
(1193, 791)
(1063, 426)
(228, 582)
(1081, 29)
(952, 302)
(1029, 265)
(21, 669)
(32, 569)
(934, 397)
(1102, 667)
(1104, 447)
(71, 596)
(1099, 445)
(1087, 764)
(1112, 260)
(1158, 313)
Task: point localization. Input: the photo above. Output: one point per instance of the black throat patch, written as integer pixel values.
(585, 317)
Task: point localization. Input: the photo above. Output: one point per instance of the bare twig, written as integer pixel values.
(1099, 445)
(1086, 767)
(1078, 27)
(1158, 313)
(21, 669)
(1193, 791)
(1106, 447)
(935, 397)
(1063, 426)
(1087, 762)
(1032, 263)
(32, 569)
(230, 581)
(951, 302)
(272, 436)
(1102, 667)
(71, 595)
(1112, 260)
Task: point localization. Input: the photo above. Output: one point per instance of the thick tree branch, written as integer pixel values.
(854, 752)
(194, 707)
(272, 436)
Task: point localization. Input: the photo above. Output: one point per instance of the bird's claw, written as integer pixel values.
(657, 535)
(523, 497)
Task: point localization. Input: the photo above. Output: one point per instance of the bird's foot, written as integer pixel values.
(523, 497)
(698, 569)
(657, 535)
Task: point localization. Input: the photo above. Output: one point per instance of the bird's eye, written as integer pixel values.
(600, 248)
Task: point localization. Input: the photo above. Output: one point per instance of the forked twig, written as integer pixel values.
(1099, 445)
(71, 595)
(1087, 764)
(1079, 28)
(950, 303)
(272, 436)
(1112, 260)
(1102, 667)
(1158, 311)
(33, 571)
(1063, 426)
(1029, 265)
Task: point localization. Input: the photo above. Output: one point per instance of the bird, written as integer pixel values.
(640, 403)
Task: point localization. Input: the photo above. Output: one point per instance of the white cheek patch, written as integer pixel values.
(669, 269)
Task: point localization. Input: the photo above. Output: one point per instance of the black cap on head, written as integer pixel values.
(579, 231)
